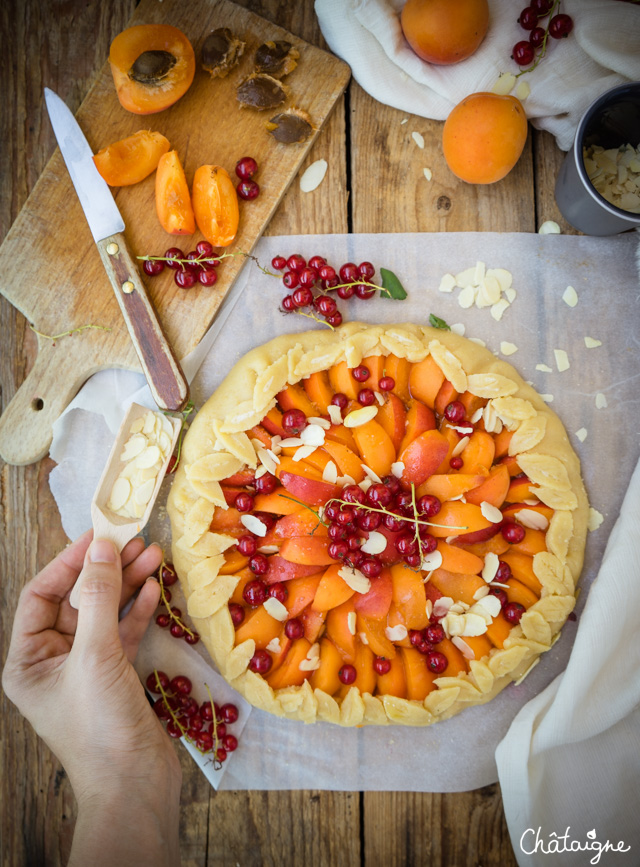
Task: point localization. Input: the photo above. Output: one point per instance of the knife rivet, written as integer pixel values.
(128, 287)
(112, 249)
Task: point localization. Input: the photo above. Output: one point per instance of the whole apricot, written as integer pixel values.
(445, 31)
(484, 136)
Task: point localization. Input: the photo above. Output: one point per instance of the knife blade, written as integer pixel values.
(164, 375)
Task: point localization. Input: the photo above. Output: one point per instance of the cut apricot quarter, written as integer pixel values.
(446, 395)
(534, 542)
(457, 518)
(455, 658)
(272, 422)
(299, 523)
(477, 456)
(498, 630)
(301, 593)
(312, 622)
(244, 576)
(394, 682)
(419, 419)
(215, 205)
(456, 559)
(152, 66)
(295, 397)
(409, 596)
(227, 521)
(375, 366)
(480, 645)
(131, 159)
(423, 456)
(376, 601)
(298, 468)
(425, 381)
(375, 446)
(319, 390)
(338, 621)
(289, 673)
(234, 561)
(495, 545)
(341, 434)
(365, 672)
(260, 433)
(259, 625)
(342, 381)
(493, 489)
(392, 417)
(326, 676)
(307, 550)
(395, 618)
(347, 461)
(374, 631)
(277, 503)
(173, 203)
(332, 590)
(518, 592)
(522, 569)
(398, 369)
(502, 441)
(449, 486)
(458, 585)
(420, 681)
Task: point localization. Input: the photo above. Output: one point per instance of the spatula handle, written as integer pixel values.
(166, 380)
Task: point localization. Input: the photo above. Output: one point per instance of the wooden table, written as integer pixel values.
(375, 187)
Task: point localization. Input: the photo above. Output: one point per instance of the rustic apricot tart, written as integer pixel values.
(376, 524)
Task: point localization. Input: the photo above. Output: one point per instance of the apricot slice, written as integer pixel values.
(395, 618)
(455, 515)
(173, 203)
(326, 676)
(519, 592)
(471, 402)
(227, 521)
(391, 417)
(394, 682)
(342, 382)
(234, 562)
(374, 631)
(455, 659)
(260, 433)
(295, 397)
(289, 673)
(319, 390)
(338, 620)
(456, 559)
(376, 601)
(341, 434)
(533, 543)
(477, 456)
(375, 364)
(307, 550)
(245, 575)
(409, 596)
(522, 569)
(493, 489)
(300, 468)
(423, 456)
(259, 625)
(313, 622)
(495, 545)
(308, 489)
(452, 439)
(278, 503)
(420, 681)
(419, 419)
(449, 486)
(131, 159)
(299, 523)
(375, 446)
(279, 656)
(272, 422)
(398, 369)
(215, 205)
(283, 570)
(301, 593)
(152, 66)
(347, 461)
(498, 630)
(459, 586)
(446, 395)
(502, 441)
(480, 645)
(332, 590)
(519, 488)
(483, 137)
(425, 380)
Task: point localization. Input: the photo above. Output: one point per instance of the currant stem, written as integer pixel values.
(385, 511)
(217, 764)
(68, 333)
(545, 39)
(315, 318)
(313, 512)
(165, 601)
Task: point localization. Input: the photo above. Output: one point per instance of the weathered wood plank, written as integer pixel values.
(547, 161)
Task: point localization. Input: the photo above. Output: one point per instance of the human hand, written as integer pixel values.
(70, 673)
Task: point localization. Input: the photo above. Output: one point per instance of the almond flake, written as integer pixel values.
(570, 296)
(363, 637)
(592, 342)
(479, 273)
(345, 480)
(397, 469)
(498, 584)
(274, 645)
(142, 493)
(304, 452)
(313, 176)
(359, 417)
(371, 474)
(134, 446)
(314, 651)
(375, 544)
(549, 227)
(490, 512)
(330, 473)
(321, 422)
(447, 284)
(467, 297)
(379, 398)
(477, 415)
(459, 447)
(431, 561)
(365, 484)
(149, 457)
(498, 309)
(418, 139)
(458, 328)
(480, 593)
(427, 173)
(291, 443)
(523, 90)
(490, 568)
(582, 434)
(442, 605)
(267, 461)
(120, 493)
(463, 647)
(310, 664)
(504, 84)
(396, 633)
(601, 401)
(260, 472)
(268, 549)
(335, 414)
(275, 608)
(254, 525)
(351, 622)
(547, 398)
(429, 609)
(595, 519)
(544, 368)
(312, 435)
(355, 579)
(532, 519)
(562, 360)
(507, 348)
(489, 604)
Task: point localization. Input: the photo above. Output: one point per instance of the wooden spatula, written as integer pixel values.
(106, 523)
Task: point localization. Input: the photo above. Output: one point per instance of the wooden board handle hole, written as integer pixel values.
(37, 404)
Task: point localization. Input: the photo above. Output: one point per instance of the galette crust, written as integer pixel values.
(217, 446)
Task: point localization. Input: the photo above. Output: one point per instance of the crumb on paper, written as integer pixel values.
(570, 296)
(582, 434)
(595, 519)
(601, 401)
(592, 342)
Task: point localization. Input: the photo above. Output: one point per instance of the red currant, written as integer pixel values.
(354, 494)
(293, 421)
(326, 272)
(278, 263)
(406, 544)
(361, 373)
(290, 279)
(193, 261)
(413, 560)
(528, 18)
(338, 550)
(204, 248)
(513, 612)
(523, 53)
(512, 532)
(317, 262)
(500, 594)
(246, 168)
(339, 399)
(163, 620)
(560, 26)
(381, 665)
(192, 637)
(366, 270)
(294, 629)
(536, 37)
(207, 277)
(379, 495)
(185, 279)
(455, 411)
(434, 633)
(181, 685)
(230, 743)
(541, 7)
(248, 190)
(260, 662)
(255, 592)
(428, 505)
(176, 630)
(171, 254)
(456, 463)
(371, 567)
(326, 305)
(366, 397)
(247, 545)
(386, 383)
(504, 572)
(296, 262)
(349, 273)
(347, 674)
(229, 713)
(237, 613)
(364, 292)
(345, 292)
(368, 520)
(278, 591)
(244, 502)
(308, 276)
(153, 267)
(436, 661)
(266, 484)
(259, 565)
(154, 678)
(288, 303)
(335, 319)
(303, 296)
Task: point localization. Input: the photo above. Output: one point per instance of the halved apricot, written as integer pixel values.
(173, 203)
(131, 159)
(215, 205)
(152, 66)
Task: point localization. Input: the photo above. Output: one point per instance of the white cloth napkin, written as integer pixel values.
(602, 52)
(570, 761)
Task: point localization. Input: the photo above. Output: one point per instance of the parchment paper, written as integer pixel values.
(457, 755)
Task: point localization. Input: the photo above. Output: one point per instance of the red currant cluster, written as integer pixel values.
(204, 725)
(198, 266)
(301, 278)
(558, 26)
(172, 617)
(247, 189)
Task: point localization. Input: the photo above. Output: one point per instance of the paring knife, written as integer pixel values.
(166, 380)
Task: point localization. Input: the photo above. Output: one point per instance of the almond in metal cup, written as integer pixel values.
(611, 121)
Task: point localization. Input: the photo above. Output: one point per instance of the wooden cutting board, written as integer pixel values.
(49, 265)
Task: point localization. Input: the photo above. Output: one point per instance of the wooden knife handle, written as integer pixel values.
(166, 380)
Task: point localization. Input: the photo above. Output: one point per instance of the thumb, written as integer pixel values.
(100, 588)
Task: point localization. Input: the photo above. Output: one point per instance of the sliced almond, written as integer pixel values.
(396, 633)
(313, 176)
(275, 608)
(375, 544)
(358, 417)
(254, 525)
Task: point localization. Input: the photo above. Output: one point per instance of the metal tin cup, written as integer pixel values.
(611, 121)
